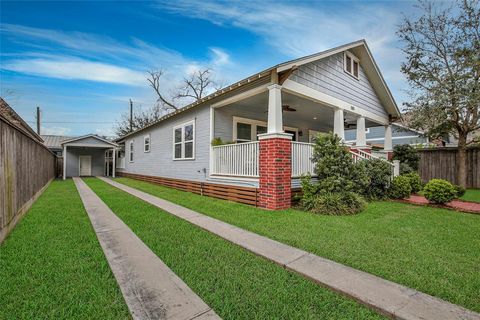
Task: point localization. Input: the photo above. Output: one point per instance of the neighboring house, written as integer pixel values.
(54, 143)
(10, 116)
(269, 119)
(88, 155)
(400, 135)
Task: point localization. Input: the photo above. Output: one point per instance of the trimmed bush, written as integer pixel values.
(378, 174)
(400, 188)
(439, 191)
(415, 181)
(459, 190)
(338, 203)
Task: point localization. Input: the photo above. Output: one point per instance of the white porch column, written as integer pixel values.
(107, 161)
(64, 162)
(113, 166)
(275, 117)
(387, 145)
(361, 135)
(338, 123)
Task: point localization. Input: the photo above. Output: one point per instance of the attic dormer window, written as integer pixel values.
(351, 64)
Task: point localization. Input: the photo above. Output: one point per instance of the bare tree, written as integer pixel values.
(442, 66)
(194, 87)
(140, 119)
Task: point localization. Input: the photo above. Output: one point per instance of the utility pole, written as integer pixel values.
(131, 115)
(38, 120)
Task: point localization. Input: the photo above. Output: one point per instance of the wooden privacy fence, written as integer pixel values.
(442, 163)
(26, 168)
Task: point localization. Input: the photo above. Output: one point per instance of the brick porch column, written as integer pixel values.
(275, 164)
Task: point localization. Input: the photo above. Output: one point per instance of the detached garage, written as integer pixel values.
(88, 155)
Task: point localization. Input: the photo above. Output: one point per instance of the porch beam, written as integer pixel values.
(338, 127)
(361, 134)
(275, 117)
(241, 96)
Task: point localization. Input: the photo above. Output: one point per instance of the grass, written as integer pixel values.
(52, 266)
(436, 251)
(472, 195)
(234, 282)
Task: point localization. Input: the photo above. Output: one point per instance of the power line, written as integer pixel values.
(80, 122)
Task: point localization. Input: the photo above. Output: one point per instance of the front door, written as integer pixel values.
(85, 165)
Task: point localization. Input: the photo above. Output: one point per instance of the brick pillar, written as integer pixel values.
(275, 164)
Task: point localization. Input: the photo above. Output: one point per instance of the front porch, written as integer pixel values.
(242, 125)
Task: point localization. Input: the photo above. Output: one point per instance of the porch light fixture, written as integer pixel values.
(314, 118)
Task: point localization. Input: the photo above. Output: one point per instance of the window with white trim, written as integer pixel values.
(351, 64)
(130, 158)
(146, 143)
(245, 130)
(184, 141)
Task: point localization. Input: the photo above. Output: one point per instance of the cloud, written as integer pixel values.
(219, 57)
(301, 28)
(78, 69)
(84, 56)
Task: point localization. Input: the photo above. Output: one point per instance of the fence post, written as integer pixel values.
(396, 168)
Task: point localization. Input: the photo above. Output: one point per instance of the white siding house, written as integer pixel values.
(296, 100)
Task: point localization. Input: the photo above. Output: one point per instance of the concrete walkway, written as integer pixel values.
(384, 296)
(151, 290)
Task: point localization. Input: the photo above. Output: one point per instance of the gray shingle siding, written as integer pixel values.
(159, 161)
(328, 76)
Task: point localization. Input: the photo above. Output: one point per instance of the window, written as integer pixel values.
(184, 141)
(351, 64)
(131, 152)
(245, 130)
(146, 143)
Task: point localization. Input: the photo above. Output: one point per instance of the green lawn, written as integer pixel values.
(436, 251)
(234, 282)
(52, 266)
(471, 195)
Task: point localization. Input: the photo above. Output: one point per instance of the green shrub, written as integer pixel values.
(405, 168)
(309, 192)
(333, 164)
(338, 203)
(439, 191)
(406, 154)
(415, 181)
(459, 190)
(400, 188)
(219, 142)
(378, 176)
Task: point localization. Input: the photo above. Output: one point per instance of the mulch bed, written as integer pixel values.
(458, 205)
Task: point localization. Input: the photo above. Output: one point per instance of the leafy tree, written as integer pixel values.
(442, 66)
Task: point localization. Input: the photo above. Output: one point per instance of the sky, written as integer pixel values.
(81, 61)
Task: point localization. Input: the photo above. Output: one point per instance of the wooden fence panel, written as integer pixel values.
(442, 163)
(26, 167)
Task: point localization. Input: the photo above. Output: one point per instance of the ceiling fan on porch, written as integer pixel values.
(285, 108)
(348, 125)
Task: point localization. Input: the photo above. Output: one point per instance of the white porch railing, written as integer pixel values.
(239, 159)
(302, 153)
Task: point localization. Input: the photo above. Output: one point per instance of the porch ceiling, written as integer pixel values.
(308, 114)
